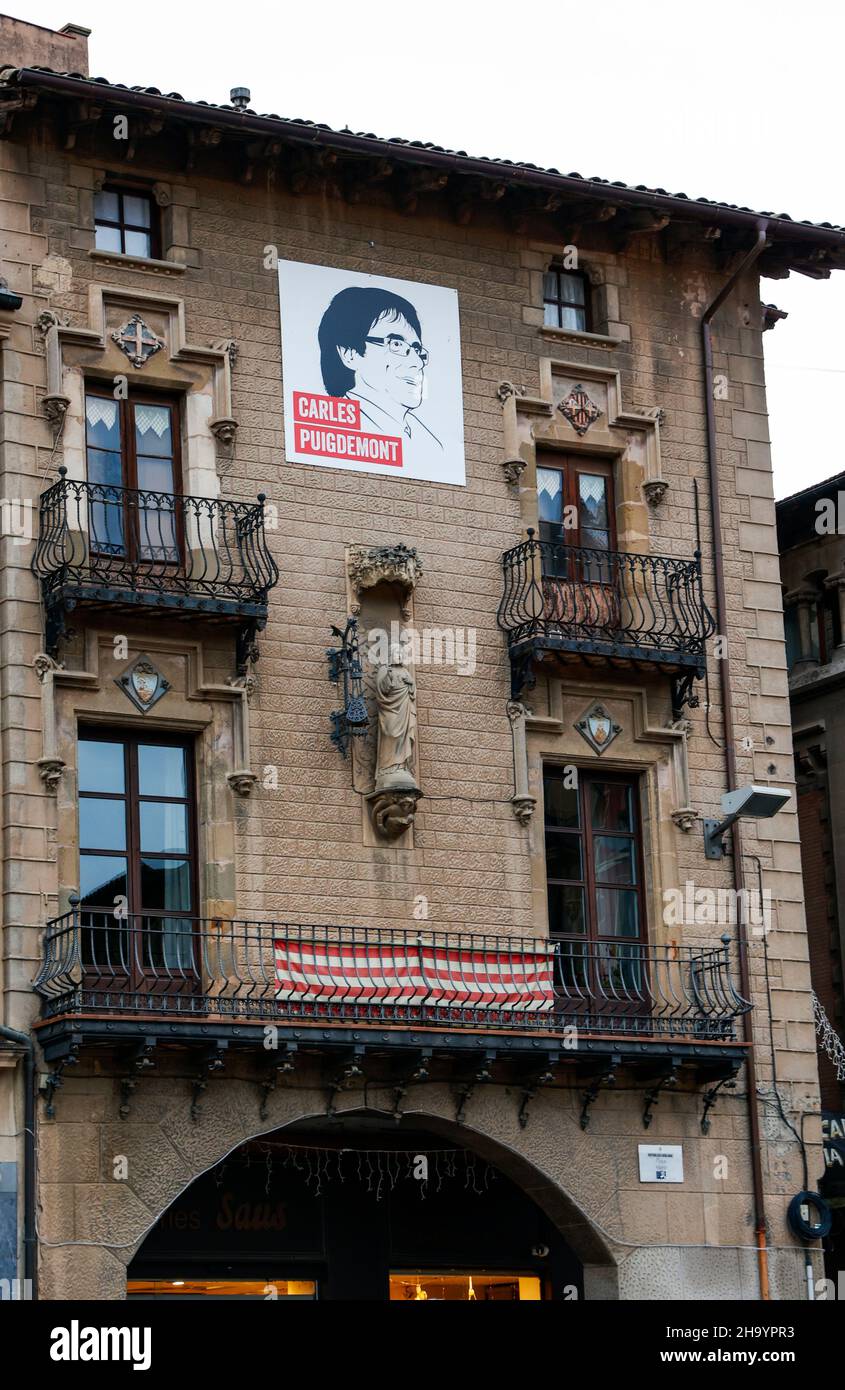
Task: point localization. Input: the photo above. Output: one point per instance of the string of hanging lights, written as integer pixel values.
(378, 1170)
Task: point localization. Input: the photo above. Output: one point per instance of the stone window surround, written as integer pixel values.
(657, 754)
(91, 696)
(207, 412)
(608, 331)
(173, 201)
(622, 436)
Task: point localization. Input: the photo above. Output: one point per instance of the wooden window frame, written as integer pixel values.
(560, 303)
(128, 190)
(131, 798)
(129, 465)
(585, 833)
(570, 466)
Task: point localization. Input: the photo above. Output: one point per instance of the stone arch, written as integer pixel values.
(565, 1173)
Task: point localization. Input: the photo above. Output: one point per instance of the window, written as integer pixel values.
(566, 300)
(594, 875)
(575, 503)
(125, 221)
(137, 853)
(132, 453)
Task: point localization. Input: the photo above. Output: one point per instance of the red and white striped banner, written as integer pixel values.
(415, 973)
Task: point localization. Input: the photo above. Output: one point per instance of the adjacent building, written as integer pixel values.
(811, 527)
(390, 594)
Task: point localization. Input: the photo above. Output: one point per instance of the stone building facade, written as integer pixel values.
(179, 1012)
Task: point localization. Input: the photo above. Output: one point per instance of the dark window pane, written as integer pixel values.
(563, 856)
(561, 803)
(596, 540)
(592, 500)
(102, 423)
(102, 878)
(153, 434)
(155, 475)
(102, 824)
(550, 495)
(106, 205)
(571, 970)
(573, 318)
(105, 468)
(610, 806)
(567, 915)
(161, 770)
(136, 211)
(551, 288)
(107, 238)
(617, 912)
(106, 527)
(168, 945)
(615, 860)
(166, 884)
(572, 289)
(137, 243)
(164, 827)
(100, 766)
(620, 973)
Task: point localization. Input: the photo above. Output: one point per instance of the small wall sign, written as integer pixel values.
(661, 1163)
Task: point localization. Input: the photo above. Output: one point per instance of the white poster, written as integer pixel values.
(372, 374)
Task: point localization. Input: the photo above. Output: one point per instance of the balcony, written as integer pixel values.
(570, 604)
(127, 551)
(455, 999)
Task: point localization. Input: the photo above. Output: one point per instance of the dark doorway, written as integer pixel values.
(350, 1211)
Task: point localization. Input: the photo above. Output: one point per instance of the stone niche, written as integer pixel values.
(381, 582)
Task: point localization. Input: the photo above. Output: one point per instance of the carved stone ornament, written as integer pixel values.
(597, 728)
(685, 819)
(50, 771)
(368, 566)
(513, 470)
(523, 808)
(655, 490)
(579, 410)
(138, 341)
(224, 430)
(506, 389)
(242, 782)
(55, 408)
(393, 812)
(143, 684)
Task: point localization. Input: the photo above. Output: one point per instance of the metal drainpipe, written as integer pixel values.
(730, 752)
(22, 1040)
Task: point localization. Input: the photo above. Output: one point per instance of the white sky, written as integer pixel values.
(740, 102)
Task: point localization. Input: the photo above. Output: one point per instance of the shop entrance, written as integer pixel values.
(355, 1210)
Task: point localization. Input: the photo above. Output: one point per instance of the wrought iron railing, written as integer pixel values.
(97, 541)
(604, 601)
(148, 966)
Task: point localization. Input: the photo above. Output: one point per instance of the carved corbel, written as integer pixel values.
(522, 801)
(393, 811)
(55, 402)
(513, 466)
(368, 566)
(50, 765)
(655, 490)
(685, 818)
(224, 426)
(242, 779)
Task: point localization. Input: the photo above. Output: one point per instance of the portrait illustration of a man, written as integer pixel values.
(371, 351)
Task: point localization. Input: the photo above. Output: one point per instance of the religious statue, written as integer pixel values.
(396, 698)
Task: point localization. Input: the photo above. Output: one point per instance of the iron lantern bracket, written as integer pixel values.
(346, 672)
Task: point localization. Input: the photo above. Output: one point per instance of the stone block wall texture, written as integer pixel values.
(299, 849)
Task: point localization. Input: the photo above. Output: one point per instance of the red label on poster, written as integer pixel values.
(326, 410)
(347, 444)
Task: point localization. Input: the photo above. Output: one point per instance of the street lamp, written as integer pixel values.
(747, 803)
